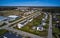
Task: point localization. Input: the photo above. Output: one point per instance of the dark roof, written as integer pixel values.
(12, 35)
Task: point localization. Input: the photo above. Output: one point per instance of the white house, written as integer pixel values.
(22, 23)
(43, 19)
(43, 23)
(19, 25)
(40, 28)
(30, 19)
(34, 27)
(57, 21)
(4, 36)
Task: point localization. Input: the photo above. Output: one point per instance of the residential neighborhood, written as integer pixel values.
(29, 22)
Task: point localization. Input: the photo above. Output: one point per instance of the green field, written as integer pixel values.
(2, 31)
(11, 12)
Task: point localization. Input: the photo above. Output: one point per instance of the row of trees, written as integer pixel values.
(52, 10)
(7, 8)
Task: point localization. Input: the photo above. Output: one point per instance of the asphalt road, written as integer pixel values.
(50, 27)
(19, 32)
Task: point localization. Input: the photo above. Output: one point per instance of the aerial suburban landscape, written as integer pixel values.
(29, 22)
(29, 18)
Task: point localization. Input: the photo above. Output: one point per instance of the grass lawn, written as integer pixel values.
(2, 31)
(11, 12)
(36, 21)
(56, 32)
(58, 16)
(46, 26)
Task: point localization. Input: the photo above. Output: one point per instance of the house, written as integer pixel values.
(4, 37)
(22, 23)
(19, 25)
(43, 23)
(30, 19)
(43, 19)
(57, 21)
(40, 28)
(34, 27)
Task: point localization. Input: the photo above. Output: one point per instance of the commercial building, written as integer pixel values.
(13, 17)
(2, 18)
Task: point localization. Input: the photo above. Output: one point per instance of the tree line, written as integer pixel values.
(7, 8)
(52, 10)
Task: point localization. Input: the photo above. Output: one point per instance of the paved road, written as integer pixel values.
(19, 32)
(50, 27)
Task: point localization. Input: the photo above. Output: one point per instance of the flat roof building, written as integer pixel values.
(1, 19)
(13, 16)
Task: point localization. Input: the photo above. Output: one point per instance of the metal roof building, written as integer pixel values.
(2, 18)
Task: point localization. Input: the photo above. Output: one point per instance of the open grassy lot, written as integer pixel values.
(36, 21)
(11, 12)
(2, 31)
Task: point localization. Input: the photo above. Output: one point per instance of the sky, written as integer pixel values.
(29, 2)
